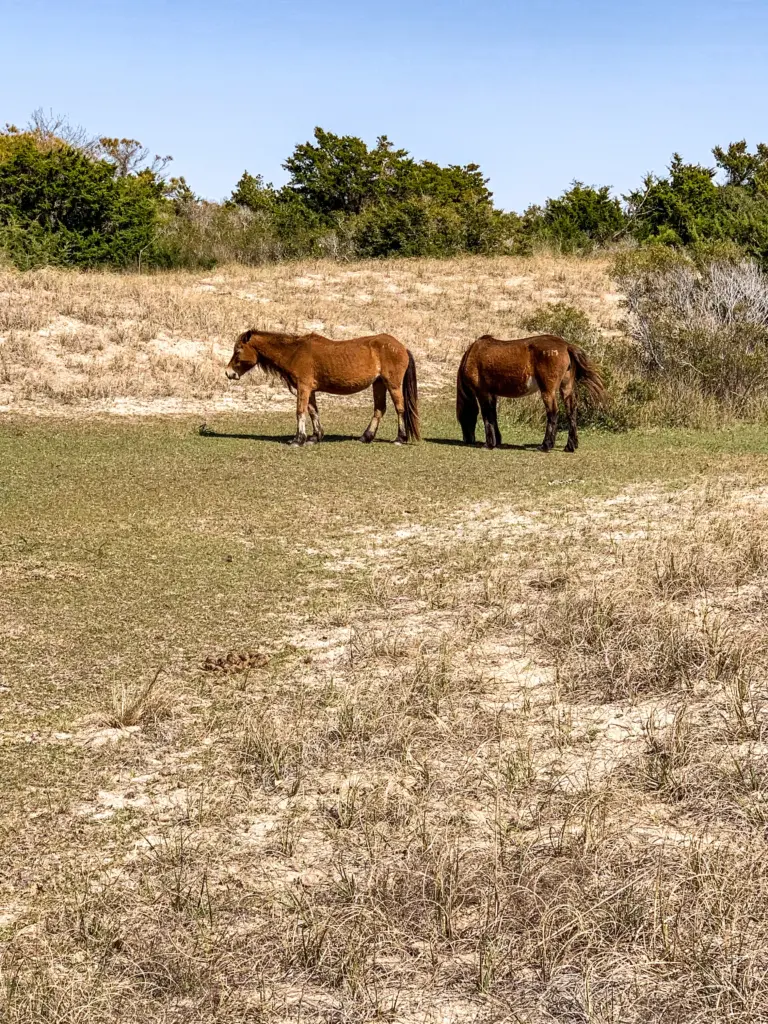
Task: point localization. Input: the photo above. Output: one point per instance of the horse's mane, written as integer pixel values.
(273, 370)
(267, 365)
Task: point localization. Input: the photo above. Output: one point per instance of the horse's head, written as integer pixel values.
(244, 357)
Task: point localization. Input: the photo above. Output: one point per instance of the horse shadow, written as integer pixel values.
(206, 431)
(455, 442)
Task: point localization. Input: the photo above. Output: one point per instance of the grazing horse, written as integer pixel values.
(492, 369)
(309, 363)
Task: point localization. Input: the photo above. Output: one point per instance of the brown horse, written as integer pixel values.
(492, 369)
(309, 363)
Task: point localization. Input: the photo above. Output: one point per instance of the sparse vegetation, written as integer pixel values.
(495, 746)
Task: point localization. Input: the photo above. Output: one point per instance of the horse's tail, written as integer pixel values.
(411, 401)
(466, 403)
(587, 373)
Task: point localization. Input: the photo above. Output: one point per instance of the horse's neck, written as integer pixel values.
(276, 347)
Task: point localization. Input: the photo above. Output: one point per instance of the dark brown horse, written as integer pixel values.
(309, 363)
(492, 369)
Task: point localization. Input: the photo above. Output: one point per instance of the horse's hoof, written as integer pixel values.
(570, 448)
(366, 438)
(545, 448)
(296, 444)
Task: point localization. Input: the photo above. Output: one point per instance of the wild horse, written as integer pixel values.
(492, 369)
(310, 363)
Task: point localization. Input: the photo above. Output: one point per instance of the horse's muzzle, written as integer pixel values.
(232, 374)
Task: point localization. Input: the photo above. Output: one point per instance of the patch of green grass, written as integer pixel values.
(127, 545)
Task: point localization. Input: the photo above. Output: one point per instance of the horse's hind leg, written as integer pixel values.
(569, 400)
(317, 428)
(488, 412)
(398, 401)
(379, 408)
(550, 404)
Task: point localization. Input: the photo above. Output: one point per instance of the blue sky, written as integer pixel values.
(537, 93)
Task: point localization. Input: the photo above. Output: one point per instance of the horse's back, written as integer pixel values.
(374, 342)
(349, 365)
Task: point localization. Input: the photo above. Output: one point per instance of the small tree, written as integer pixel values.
(130, 157)
(252, 193)
(742, 168)
(340, 175)
(680, 209)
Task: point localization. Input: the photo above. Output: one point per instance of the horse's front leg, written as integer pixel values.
(317, 428)
(302, 404)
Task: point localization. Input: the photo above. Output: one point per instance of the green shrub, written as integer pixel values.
(59, 205)
(565, 321)
(580, 219)
(632, 264)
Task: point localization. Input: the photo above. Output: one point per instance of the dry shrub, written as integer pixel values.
(701, 331)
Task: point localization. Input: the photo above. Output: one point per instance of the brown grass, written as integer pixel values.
(126, 343)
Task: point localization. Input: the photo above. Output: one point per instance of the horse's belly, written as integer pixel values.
(345, 369)
(347, 387)
(516, 387)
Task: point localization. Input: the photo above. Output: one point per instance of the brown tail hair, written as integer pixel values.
(587, 373)
(466, 404)
(411, 401)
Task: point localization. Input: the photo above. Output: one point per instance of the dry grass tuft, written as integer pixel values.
(136, 705)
